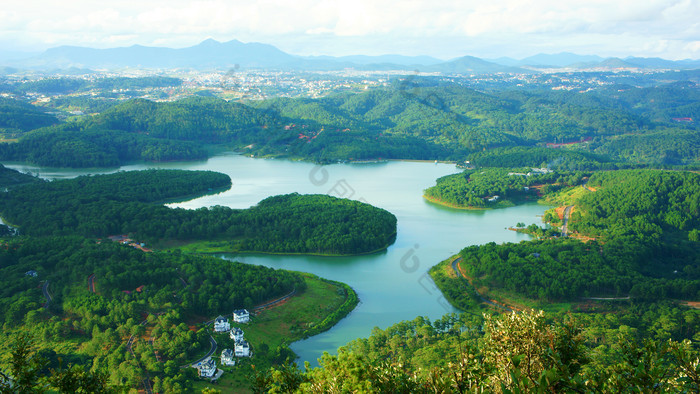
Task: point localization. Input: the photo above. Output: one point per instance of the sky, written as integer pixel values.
(440, 28)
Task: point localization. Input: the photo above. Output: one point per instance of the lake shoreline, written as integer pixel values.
(296, 254)
(453, 206)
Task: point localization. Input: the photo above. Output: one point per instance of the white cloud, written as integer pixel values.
(510, 25)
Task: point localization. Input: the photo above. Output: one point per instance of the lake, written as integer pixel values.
(392, 285)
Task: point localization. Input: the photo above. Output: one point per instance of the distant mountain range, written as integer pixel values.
(211, 54)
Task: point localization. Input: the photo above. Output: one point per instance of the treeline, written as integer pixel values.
(497, 187)
(523, 352)
(65, 85)
(541, 157)
(643, 203)
(70, 145)
(10, 178)
(559, 270)
(167, 290)
(125, 186)
(17, 116)
(94, 206)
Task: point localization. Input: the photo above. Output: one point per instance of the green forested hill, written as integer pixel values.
(71, 145)
(645, 229)
(17, 116)
(647, 203)
(10, 178)
(411, 119)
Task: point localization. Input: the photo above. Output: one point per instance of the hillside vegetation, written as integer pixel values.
(411, 119)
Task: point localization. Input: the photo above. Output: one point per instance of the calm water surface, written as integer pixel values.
(392, 285)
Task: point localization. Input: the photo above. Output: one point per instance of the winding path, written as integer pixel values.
(565, 223)
(91, 283)
(45, 290)
(456, 268)
(273, 302)
(147, 379)
(213, 344)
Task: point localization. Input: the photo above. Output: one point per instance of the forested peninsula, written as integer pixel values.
(498, 187)
(129, 203)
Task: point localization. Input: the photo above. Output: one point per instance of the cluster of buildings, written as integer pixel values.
(207, 368)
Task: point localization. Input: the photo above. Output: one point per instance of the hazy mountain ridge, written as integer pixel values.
(212, 54)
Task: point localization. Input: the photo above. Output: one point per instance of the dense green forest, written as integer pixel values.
(10, 178)
(410, 119)
(518, 352)
(646, 245)
(567, 269)
(69, 145)
(542, 157)
(17, 116)
(498, 187)
(643, 203)
(126, 203)
(89, 325)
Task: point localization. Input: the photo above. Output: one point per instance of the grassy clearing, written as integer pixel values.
(280, 326)
(567, 196)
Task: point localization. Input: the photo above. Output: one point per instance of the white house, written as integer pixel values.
(242, 349)
(241, 316)
(227, 357)
(221, 324)
(206, 368)
(236, 334)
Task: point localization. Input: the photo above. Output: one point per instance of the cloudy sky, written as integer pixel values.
(440, 28)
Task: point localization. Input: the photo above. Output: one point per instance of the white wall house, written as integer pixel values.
(242, 349)
(241, 316)
(227, 357)
(236, 334)
(221, 324)
(206, 367)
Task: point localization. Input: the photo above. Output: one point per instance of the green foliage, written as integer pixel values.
(494, 187)
(70, 85)
(133, 291)
(645, 219)
(554, 159)
(639, 203)
(10, 178)
(518, 352)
